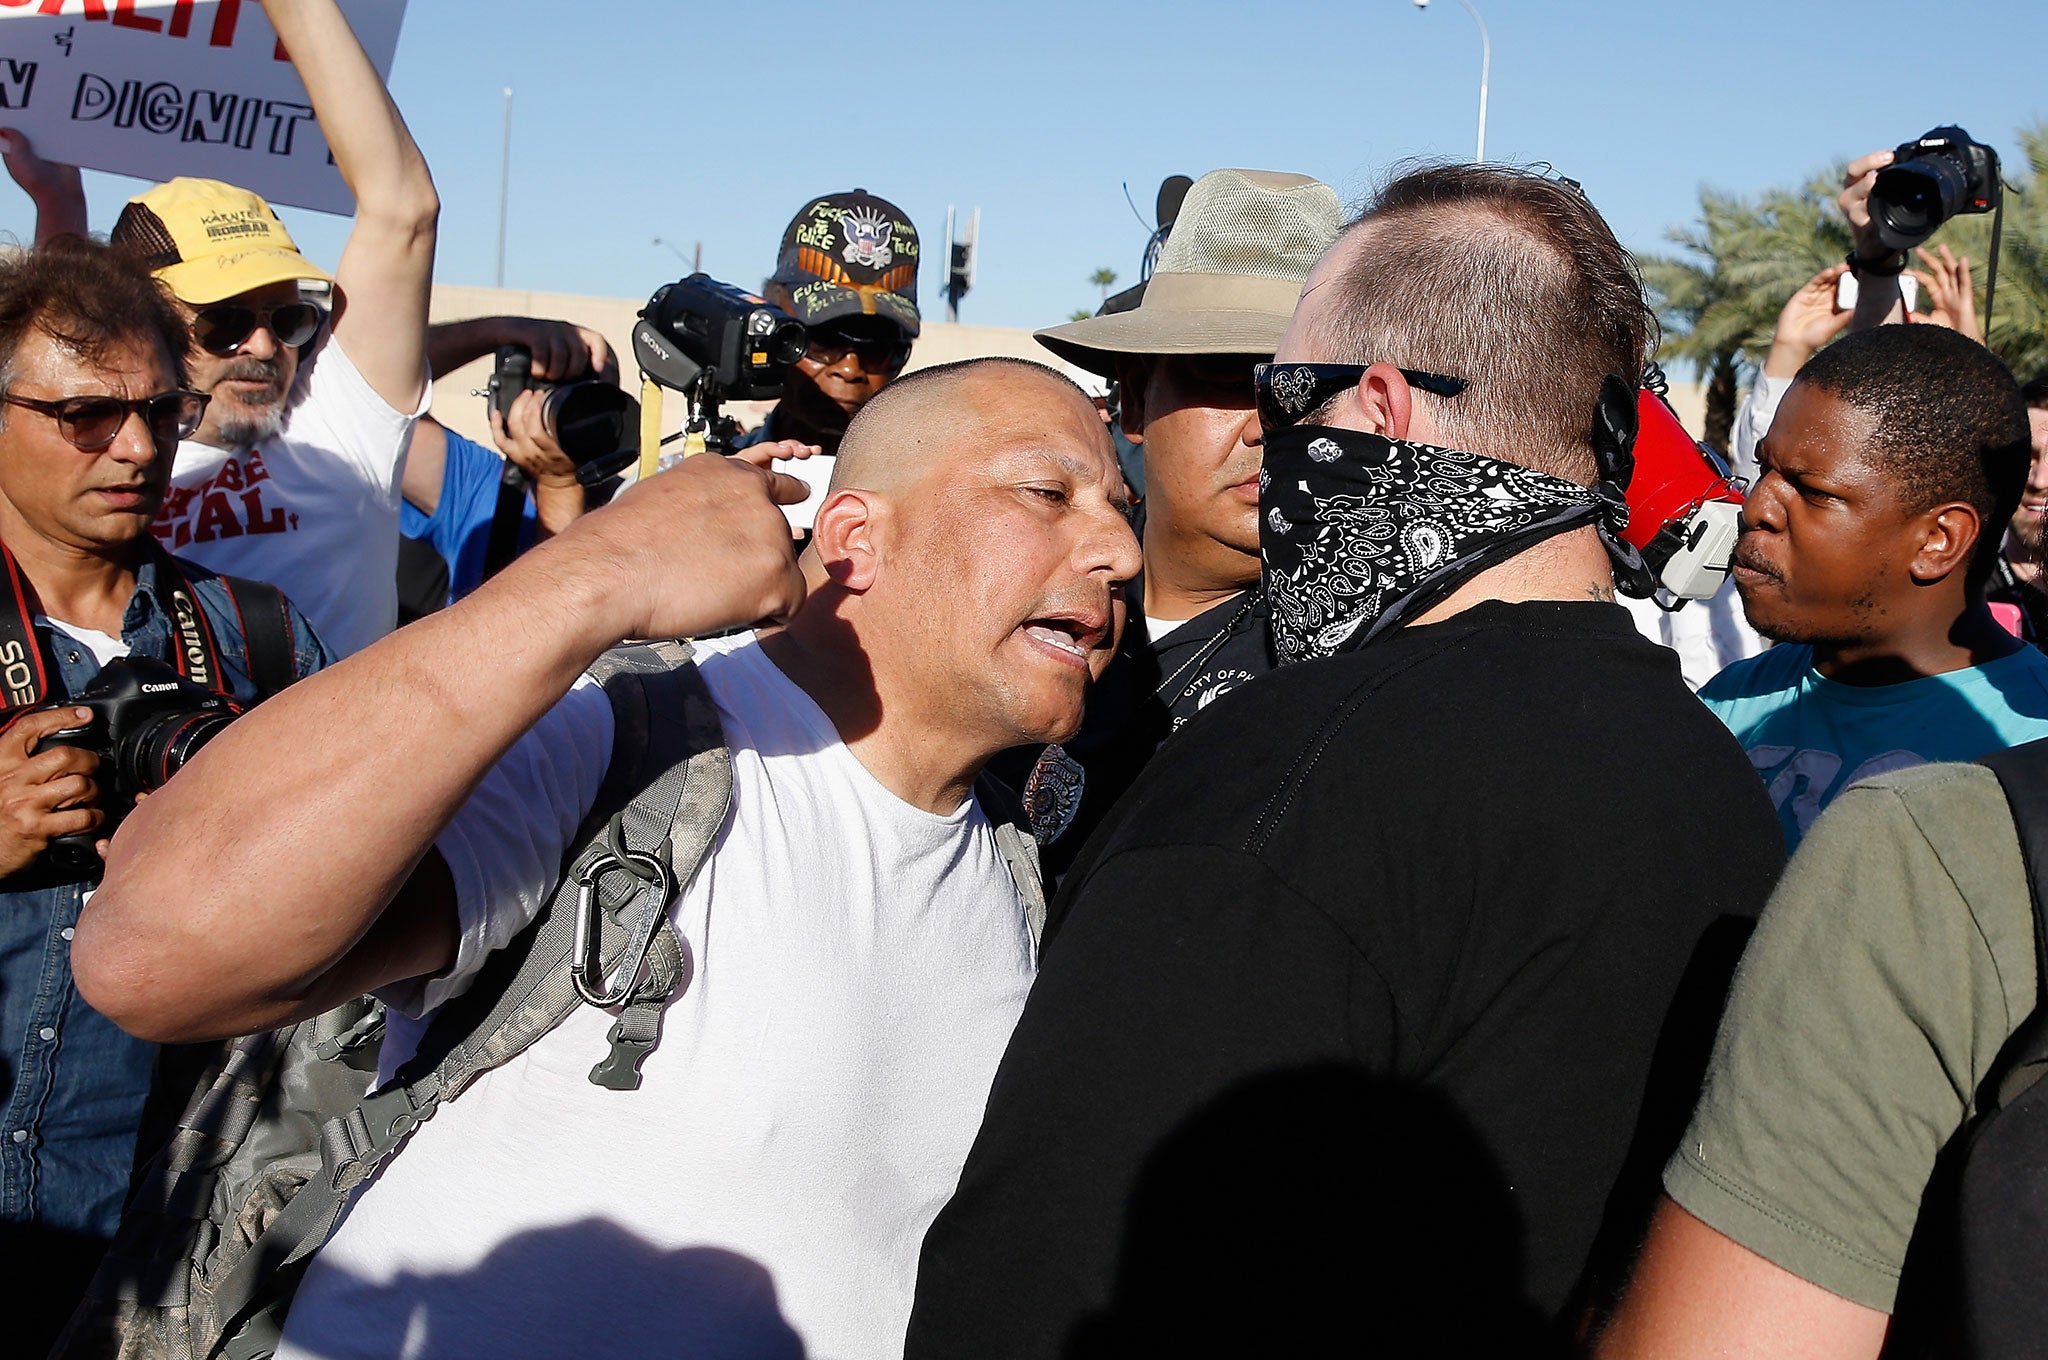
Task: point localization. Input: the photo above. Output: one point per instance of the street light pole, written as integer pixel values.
(504, 183)
(1485, 72)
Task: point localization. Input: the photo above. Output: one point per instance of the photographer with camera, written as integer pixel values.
(95, 401)
(848, 272)
(452, 484)
(1910, 202)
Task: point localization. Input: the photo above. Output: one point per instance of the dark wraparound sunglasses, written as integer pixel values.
(222, 330)
(91, 423)
(875, 353)
(1290, 393)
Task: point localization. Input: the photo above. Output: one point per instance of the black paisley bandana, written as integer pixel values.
(1358, 532)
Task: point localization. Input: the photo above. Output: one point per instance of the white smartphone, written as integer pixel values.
(1845, 292)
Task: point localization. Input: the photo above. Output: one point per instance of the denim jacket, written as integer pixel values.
(73, 1083)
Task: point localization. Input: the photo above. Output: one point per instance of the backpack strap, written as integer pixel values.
(2023, 776)
(266, 634)
(663, 800)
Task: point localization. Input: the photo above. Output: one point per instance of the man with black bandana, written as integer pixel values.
(1213, 308)
(1370, 1018)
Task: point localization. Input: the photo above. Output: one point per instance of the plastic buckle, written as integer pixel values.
(587, 966)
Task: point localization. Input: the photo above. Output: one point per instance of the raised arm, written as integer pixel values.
(560, 349)
(387, 267)
(56, 190)
(1878, 299)
(289, 866)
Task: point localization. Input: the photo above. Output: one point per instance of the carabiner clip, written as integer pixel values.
(586, 969)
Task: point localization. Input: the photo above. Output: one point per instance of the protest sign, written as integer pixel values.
(160, 88)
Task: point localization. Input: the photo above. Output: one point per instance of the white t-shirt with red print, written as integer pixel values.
(313, 510)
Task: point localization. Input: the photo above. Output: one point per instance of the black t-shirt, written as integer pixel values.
(1148, 691)
(1344, 1023)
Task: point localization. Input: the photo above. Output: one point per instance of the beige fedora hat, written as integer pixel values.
(1228, 278)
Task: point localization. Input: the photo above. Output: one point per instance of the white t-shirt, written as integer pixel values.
(855, 966)
(312, 510)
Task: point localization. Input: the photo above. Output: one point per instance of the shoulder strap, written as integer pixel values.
(266, 634)
(2023, 776)
(663, 800)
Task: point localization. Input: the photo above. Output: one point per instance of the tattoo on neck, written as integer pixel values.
(1596, 591)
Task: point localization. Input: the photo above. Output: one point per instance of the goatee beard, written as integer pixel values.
(251, 428)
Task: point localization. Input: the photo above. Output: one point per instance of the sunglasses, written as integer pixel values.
(1290, 393)
(874, 353)
(221, 331)
(91, 423)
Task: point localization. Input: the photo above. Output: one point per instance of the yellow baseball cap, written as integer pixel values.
(209, 241)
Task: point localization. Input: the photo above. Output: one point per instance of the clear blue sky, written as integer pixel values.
(713, 122)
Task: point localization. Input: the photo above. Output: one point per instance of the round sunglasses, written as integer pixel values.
(220, 331)
(92, 423)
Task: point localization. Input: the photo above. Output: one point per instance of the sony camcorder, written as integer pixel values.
(1930, 180)
(714, 342)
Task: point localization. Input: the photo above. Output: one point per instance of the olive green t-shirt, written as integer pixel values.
(1894, 960)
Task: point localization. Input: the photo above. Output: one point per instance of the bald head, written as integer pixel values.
(910, 425)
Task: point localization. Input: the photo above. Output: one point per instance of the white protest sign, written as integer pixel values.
(160, 88)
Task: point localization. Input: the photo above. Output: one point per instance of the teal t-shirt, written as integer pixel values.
(1811, 737)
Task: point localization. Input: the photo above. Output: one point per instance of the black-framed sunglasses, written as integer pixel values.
(222, 330)
(92, 423)
(1290, 393)
(875, 353)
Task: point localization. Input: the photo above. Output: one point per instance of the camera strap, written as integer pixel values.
(25, 671)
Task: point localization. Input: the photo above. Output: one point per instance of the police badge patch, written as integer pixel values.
(1052, 793)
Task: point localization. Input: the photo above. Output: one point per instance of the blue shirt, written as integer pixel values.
(75, 1084)
(1811, 737)
(460, 527)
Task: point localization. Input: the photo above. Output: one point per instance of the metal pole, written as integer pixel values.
(504, 183)
(1485, 72)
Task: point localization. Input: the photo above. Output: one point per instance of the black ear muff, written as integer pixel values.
(1614, 431)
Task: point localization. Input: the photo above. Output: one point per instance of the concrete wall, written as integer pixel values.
(459, 410)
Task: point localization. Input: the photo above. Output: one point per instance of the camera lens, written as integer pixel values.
(589, 420)
(788, 343)
(1909, 201)
(160, 747)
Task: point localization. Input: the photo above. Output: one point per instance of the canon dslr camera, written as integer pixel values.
(591, 421)
(1929, 181)
(147, 721)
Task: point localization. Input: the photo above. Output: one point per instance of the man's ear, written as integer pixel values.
(1948, 539)
(1133, 372)
(843, 536)
(1386, 401)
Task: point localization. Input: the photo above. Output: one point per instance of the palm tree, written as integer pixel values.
(1103, 278)
(1718, 302)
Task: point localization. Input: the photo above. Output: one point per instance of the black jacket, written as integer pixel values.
(1347, 1015)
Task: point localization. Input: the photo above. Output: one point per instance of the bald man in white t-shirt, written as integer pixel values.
(858, 952)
